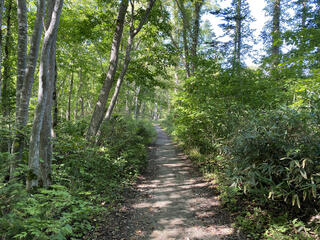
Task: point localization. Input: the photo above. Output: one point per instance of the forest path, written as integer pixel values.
(171, 202)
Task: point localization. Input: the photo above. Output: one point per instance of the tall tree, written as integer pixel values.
(276, 38)
(185, 34)
(44, 92)
(22, 48)
(237, 37)
(7, 67)
(132, 33)
(69, 97)
(27, 81)
(99, 110)
(195, 30)
(24, 88)
(1, 12)
(236, 24)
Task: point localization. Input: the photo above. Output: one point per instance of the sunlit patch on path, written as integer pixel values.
(171, 202)
(180, 206)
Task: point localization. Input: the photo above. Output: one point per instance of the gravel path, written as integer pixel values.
(171, 202)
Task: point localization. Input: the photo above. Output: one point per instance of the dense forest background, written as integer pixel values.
(82, 80)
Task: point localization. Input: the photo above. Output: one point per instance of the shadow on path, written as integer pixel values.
(172, 202)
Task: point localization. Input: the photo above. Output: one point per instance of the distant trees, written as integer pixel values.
(190, 14)
(236, 25)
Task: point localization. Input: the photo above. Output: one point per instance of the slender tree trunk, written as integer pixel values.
(69, 97)
(22, 49)
(55, 99)
(127, 101)
(186, 49)
(82, 106)
(185, 30)
(136, 102)
(34, 173)
(79, 97)
(275, 50)
(46, 134)
(22, 106)
(317, 21)
(99, 110)
(1, 12)
(237, 42)
(6, 63)
(195, 34)
(304, 13)
(133, 33)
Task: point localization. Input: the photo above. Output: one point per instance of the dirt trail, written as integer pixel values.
(172, 202)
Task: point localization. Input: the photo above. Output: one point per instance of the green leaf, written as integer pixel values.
(303, 173)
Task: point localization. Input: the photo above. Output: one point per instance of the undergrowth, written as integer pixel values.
(88, 180)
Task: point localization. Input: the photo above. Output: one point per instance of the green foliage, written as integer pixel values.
(88, 179)
(208, 108)
(263, 155)
(276, 155)
(48, 214)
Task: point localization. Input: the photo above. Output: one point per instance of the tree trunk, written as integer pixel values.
(34, 173)
(79, 97)
(6, 63)
(1, 11)
(46, 134)
(55, 98)
(133, 33)
(275, 50)
(237, 41)
(69, 97)
(304, 13)
(136, 102)
(195, 34)
(22, 106)
(185, 28)
(186, 48)
(22, 49)
(99, 110)
(127, 108)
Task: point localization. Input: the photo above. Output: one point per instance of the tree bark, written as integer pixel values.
(185, 31)
(55, 98)
(136, 102)
(69, 97)
(237, 40)
(275, 49)
(304, 13)
(195, 34)
(99, 110)
(34, 173)
(22, 106)
(22, 48)
(46, 134)
(1, 12)
(6, 63)
(78, 103)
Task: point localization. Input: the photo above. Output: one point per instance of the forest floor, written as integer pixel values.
(170, 201)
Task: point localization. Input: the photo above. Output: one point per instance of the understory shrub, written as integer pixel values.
(88, 180)
(265, 158)
(276, 155)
